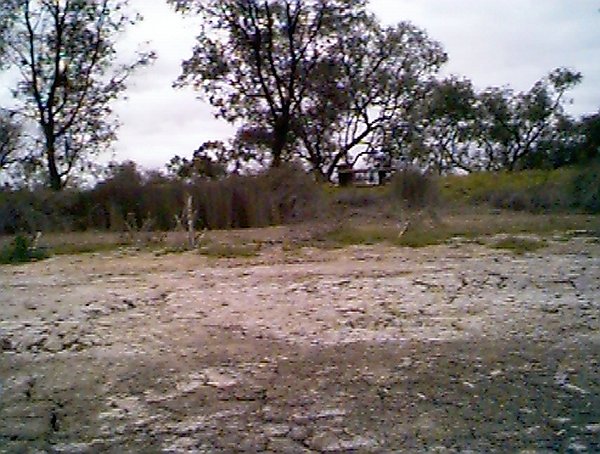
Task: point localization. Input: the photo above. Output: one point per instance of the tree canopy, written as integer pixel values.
(321, 82)
(308, 79)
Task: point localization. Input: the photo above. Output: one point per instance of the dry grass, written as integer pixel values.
(230, 251)
(362, 230)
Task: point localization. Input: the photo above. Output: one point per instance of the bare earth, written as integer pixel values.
(450, 348)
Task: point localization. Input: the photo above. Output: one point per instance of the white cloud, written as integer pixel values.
(514, 42)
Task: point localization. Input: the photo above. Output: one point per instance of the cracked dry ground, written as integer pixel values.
(365, 349)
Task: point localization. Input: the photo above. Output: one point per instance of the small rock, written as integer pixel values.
(32, 341)
(358, 443)
(324, 442)
(574, 389)
(286, 446)
(559, 423)
(218, 379)
(53, 344)
(330, 413)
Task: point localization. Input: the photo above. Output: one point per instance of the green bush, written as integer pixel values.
(585, 189)
(20, 251)
(519, 245)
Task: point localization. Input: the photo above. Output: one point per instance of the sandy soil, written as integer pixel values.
(453, 348)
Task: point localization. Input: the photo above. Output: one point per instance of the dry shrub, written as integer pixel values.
(414, 189)
(129, 200)
(42, 210)
(278, 196)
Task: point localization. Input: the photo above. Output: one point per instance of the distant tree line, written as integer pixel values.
(315, 82)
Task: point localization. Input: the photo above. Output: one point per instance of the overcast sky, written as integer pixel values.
(493, 42)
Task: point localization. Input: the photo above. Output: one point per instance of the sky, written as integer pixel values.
(492, 42)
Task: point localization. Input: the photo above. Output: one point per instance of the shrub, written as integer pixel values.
(42, 210)
(280, 196)
(20, 251)
(585, 188)
(414, 189)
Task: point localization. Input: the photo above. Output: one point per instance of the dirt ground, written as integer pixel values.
(451, 348)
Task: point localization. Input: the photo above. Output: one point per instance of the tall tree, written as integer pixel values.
(512, 125)
(589, 150)
(65, 51)
(447, 132)
(254, 59)
(371, 83)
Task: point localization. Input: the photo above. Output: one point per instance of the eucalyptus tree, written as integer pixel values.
(317, 79)
(8, 12)
(513, 125)
(255, 60)
(384, 75)
(447, 128)
(65, 52)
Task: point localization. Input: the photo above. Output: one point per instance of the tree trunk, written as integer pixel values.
(280, 138)
(54, 177)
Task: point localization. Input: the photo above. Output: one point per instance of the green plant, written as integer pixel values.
(557, 190)
(20, 251)
(413, 237)
(72, 248)
(585, 188)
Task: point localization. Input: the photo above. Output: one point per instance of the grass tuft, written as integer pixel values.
(350, 236)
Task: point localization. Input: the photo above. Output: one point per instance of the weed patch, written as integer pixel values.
(519, 245)
(72, 249)
(351, 236)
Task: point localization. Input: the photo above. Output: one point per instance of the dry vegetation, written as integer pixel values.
(414, 210)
